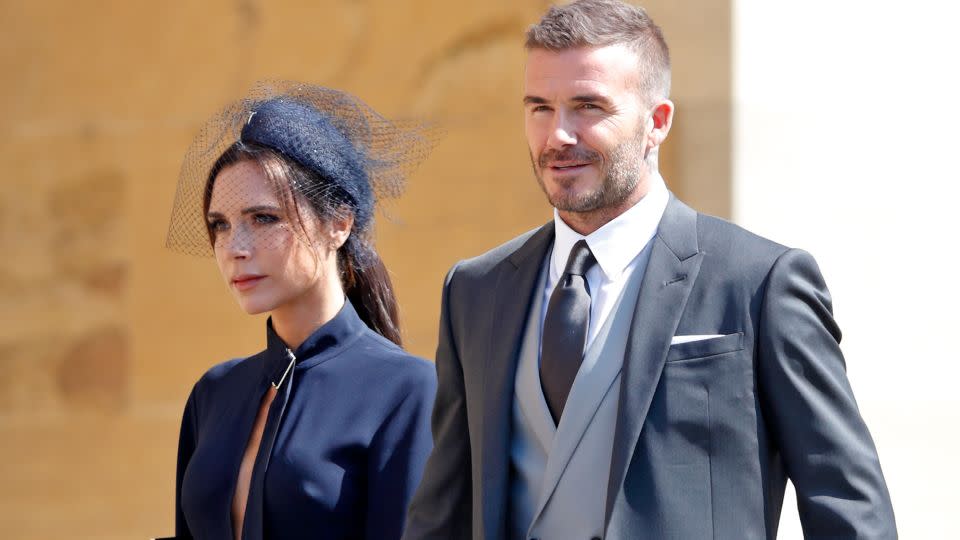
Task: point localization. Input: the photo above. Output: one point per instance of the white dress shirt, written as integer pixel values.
(616, 247)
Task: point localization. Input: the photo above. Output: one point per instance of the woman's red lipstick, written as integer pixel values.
(245, 282)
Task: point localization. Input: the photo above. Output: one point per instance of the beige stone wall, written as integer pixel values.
(104, 331)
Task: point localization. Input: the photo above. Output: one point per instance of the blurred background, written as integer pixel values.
(829, 126)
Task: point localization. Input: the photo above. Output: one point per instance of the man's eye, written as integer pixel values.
(540, 108)
(264, 219)
(218, 225)
(588, 106)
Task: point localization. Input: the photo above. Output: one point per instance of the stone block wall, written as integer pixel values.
(104, 331)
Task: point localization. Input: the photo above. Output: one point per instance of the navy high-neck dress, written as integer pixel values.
(345, 441)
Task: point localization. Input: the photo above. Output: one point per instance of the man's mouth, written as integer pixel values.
(569, 166)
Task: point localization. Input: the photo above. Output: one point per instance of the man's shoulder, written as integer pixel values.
(714, 230)
(482, 265)
(735, 248)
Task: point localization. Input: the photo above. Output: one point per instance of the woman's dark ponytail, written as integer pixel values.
(369, 289)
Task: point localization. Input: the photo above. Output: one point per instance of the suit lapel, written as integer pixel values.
(671, 272)
(518, 273)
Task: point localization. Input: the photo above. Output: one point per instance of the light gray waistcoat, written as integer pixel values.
(559, 474)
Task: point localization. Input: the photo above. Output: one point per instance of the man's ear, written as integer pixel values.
(662, 119)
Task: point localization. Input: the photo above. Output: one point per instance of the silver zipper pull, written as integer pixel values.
(293, 360)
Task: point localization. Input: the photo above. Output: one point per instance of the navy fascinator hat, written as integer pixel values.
(351, 157)
(307, 136)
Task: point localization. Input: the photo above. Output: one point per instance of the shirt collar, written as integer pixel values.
(618, 242)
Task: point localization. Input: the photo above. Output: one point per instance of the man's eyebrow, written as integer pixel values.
(582, 98)
(591, 98)
(214, 215)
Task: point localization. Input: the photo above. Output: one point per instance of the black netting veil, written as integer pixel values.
(320, 148)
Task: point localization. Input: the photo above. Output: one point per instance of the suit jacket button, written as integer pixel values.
(596, 538)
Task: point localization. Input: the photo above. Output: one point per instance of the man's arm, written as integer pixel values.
(809, 405)
(441, 507)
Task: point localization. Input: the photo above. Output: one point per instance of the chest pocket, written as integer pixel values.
(705, 347)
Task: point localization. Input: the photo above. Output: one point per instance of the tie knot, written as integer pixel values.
(580, 260)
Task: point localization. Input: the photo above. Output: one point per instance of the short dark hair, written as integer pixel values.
(599, 23)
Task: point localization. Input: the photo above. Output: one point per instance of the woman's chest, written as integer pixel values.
(311, 462)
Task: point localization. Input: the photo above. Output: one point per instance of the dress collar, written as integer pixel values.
(327, 341)
(618, 242)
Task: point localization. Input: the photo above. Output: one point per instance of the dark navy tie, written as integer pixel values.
(565, 330)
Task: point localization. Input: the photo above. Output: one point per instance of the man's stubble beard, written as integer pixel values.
(619, 178)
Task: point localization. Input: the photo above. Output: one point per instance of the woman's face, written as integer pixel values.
(268, 259)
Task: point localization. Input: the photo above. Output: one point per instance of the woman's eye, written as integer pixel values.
(265, 219)
(218, 225)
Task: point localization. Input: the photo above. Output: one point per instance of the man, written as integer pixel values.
(635, 369)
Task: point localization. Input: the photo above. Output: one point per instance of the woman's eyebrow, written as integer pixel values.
(246, 211)
(260, 208)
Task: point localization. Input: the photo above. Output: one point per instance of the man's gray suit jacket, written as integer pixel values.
(707, 431)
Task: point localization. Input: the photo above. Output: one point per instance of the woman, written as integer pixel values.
(324, 433)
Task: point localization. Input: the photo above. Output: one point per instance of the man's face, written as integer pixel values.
(586, 125)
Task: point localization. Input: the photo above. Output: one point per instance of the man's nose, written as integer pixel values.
(562, 132)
